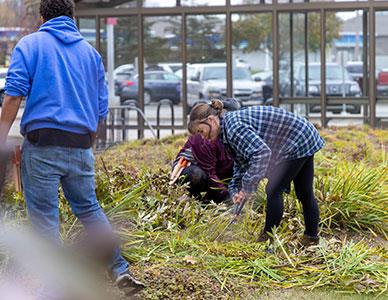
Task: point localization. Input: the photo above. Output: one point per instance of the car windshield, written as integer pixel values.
(210, 73)
(354, 68)
(123, 76)
(333, 72)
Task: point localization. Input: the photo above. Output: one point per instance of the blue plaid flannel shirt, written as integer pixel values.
(260, 137)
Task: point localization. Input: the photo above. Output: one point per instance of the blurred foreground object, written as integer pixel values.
(36, 269)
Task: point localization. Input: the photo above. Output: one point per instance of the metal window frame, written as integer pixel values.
(369, 7)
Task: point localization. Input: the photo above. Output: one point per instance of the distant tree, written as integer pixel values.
(10, 12)
(254, 32)
(126, 40)
(205, 39)
(156, 48)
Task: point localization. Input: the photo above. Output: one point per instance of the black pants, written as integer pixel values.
(301, 172)
(199, 185)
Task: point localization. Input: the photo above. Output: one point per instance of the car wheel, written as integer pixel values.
(147, 98)
(2, 94)
(356, 110)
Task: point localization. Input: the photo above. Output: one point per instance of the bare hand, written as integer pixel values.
(241, 196)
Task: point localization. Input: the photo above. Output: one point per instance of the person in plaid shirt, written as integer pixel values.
(270, 142)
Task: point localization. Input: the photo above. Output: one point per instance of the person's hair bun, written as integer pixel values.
(217, 104)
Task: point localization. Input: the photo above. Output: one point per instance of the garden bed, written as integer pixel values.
(170, 238)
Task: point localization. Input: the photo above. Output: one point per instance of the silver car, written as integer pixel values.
(207, 81)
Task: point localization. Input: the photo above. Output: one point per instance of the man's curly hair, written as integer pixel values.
(50, 9)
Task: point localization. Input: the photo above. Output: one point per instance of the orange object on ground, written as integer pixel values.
(177, 171)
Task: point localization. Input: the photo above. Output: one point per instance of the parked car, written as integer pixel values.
(356, 71)
(382, 83)
(127, 68)
(119, 79)
(157, 85)
(267, 79)
(207, 81)
(3, 75)
(171, 67)
(338, 84)
(190, 71)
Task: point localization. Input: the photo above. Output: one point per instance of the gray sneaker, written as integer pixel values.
(127, 283)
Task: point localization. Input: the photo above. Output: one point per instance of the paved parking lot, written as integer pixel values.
(165, 114)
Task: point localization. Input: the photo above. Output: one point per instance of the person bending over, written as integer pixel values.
(270, 142)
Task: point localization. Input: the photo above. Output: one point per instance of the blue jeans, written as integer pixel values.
(43, 170)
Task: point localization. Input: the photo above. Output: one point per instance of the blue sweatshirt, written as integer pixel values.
(62, 78)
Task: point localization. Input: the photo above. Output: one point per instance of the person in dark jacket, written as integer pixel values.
(267, 142)
(210, 166)
(63, 79)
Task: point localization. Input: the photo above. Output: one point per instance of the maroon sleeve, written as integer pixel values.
(205, 153)
(186, 146)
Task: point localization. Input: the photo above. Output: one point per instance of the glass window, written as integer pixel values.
(87, 27)
(125, 42)
(202, 2)
(162, 53)
(344, 55)
(158, 3)
(239, 2)
(382, 64)
(336, 0)
(207, 57)
(252, 55)
(128, 4)
(123, 34)
(215, 73)
(206, 38)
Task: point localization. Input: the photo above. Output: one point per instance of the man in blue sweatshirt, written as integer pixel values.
(62, 78)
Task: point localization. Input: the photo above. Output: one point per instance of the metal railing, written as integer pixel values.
(171, 105)
(117, 124)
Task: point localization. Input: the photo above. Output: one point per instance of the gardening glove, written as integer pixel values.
(187, 155)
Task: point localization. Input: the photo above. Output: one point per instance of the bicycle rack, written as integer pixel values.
(171, 104)
(116, 121)
(132, 105)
